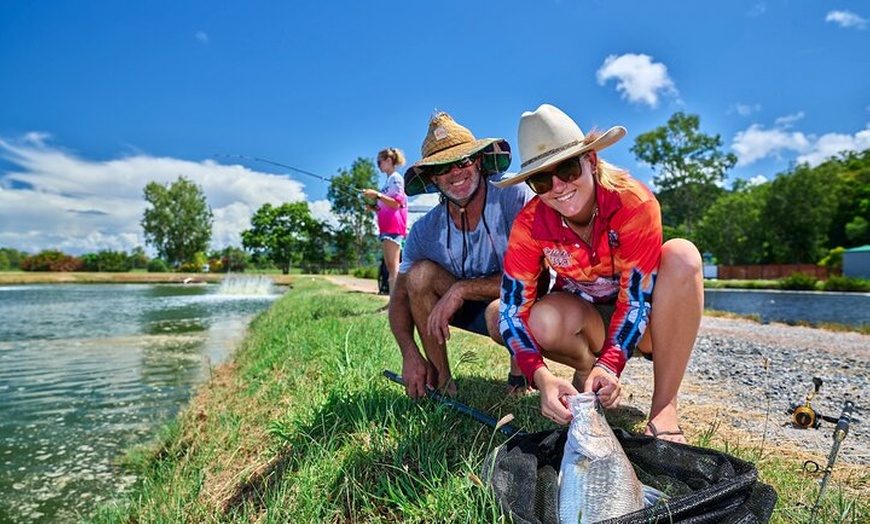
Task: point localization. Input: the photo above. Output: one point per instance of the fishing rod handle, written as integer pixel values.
(483, 418)
(845, 419)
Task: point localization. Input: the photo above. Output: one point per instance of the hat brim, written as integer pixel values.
(496, 158)
(613, 135)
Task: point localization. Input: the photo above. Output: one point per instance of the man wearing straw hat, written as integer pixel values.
(452, 264)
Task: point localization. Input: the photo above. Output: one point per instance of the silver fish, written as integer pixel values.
(596, 479)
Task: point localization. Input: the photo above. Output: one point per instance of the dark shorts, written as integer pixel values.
(471, 317)
(606, 310)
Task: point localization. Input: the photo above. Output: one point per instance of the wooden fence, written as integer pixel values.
(770, 271)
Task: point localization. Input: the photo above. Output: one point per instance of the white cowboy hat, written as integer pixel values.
(548, 136)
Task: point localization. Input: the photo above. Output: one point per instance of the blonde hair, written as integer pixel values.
(609, 176)
(393, 154)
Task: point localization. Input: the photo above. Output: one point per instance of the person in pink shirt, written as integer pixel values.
(392, 209)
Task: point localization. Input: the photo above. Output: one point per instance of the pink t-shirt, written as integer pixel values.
(393, 221)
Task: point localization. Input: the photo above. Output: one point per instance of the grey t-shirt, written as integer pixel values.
(435, 237)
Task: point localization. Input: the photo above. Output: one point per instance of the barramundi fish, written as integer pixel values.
(596, 479)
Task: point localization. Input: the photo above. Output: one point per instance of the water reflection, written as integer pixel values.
(88, 371)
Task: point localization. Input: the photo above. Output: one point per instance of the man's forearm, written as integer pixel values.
(401, 321)
(484, 289)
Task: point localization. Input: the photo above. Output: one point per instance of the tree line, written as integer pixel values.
(804, 215)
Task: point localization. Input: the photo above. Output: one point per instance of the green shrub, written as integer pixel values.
(836, 283)
(107, 260)
(157, 265)
(365, 272)
(798, 280)
(834, 259)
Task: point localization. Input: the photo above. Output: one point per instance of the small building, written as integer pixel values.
(711, 270)
(856, 262)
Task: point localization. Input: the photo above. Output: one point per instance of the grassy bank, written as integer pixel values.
(301, 427)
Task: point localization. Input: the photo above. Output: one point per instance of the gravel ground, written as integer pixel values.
(727, 379)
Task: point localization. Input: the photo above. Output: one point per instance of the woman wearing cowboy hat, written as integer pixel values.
(452, 263)
(616, 287)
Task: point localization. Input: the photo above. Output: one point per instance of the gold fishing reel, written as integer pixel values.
(803, 415)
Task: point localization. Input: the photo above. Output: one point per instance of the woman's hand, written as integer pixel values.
(606, 384)
(371, 193)
(553, 389)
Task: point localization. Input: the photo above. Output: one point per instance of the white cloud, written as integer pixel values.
(745, 109)
(637, 78)
(788, 121)
(757, 10)
(846, 19)
(757, 180)
(756, 143)
(202, 37)
(53, 199)
(832, 144)
(322, 210)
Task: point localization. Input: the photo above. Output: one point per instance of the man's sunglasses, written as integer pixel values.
(443, 169)
(567, 171)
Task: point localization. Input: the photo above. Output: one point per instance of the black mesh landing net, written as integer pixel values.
(703, 485)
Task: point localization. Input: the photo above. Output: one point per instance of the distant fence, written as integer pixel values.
(770, 271)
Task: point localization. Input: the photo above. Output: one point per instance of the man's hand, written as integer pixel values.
(438, 324)
(606, 385)
(416, 375)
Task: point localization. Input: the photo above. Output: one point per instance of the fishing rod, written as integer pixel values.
(840, 433)
(476, 414)
(355, 189)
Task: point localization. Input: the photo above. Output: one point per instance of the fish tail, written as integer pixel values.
(652, 496)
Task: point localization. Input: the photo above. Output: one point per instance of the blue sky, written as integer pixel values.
(98, 98)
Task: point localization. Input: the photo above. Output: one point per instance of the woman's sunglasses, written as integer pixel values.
(443, 169)
(567, 171)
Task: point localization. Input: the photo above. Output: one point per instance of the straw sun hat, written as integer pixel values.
(548, 136)
(446, 142)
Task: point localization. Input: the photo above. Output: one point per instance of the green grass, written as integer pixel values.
(302, 427)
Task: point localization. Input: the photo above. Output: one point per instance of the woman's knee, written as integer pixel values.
(550, 321)
(680, 257)
(542, 323)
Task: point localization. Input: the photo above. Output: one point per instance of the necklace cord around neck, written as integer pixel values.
(464, 228)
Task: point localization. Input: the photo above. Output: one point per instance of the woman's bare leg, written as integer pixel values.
(677, 308)
(392, 252)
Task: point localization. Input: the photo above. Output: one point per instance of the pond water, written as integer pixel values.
(792, 307)
(87, 371)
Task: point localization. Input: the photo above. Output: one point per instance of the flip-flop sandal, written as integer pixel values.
(658, 434)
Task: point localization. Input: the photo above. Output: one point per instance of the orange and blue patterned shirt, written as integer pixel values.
(619, 264)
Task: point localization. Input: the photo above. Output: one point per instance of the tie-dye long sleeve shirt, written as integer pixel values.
(620, 264)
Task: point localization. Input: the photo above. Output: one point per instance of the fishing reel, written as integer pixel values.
(803, 415)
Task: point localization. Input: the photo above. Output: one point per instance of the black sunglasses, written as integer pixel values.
(567, 171)
(443, 169)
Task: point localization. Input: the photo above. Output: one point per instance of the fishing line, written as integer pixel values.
(355, 191)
